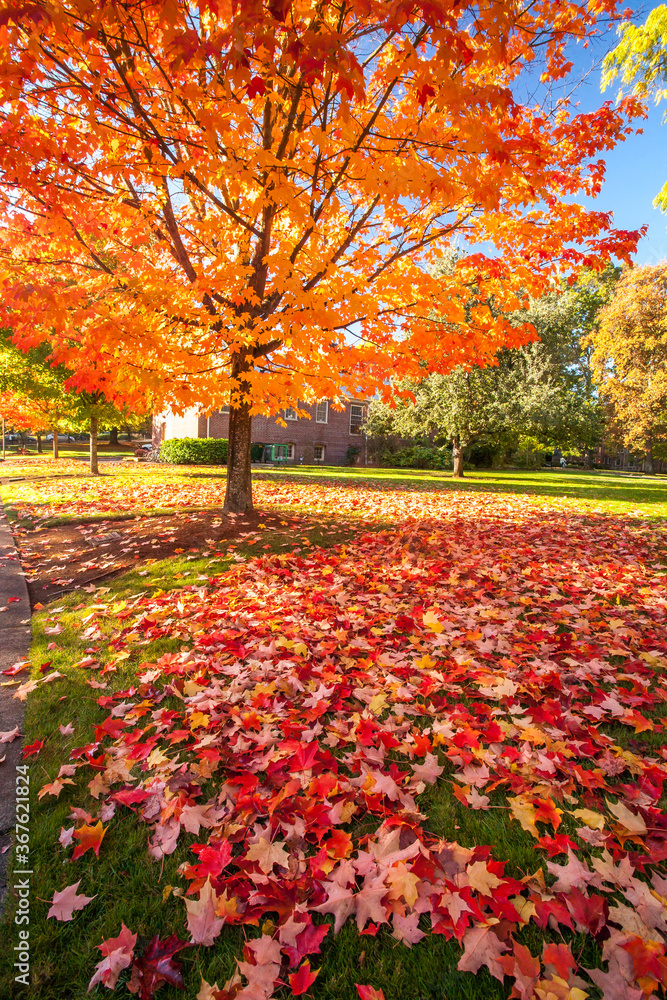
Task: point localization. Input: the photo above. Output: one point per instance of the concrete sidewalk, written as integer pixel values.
(14, 646)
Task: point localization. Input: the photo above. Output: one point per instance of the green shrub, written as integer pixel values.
(418, 456)
(194, 451)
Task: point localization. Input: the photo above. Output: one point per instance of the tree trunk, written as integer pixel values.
(39, 444)
(238, 497)
(587, 458)
(55, 444)
(648, 461)
(113, 436)
(457, 456)
(93, 446)
(128, 433)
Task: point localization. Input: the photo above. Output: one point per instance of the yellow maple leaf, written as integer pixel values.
(525, 812)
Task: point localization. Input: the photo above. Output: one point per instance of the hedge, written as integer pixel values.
(194, 451)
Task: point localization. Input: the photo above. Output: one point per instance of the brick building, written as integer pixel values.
(328, 436)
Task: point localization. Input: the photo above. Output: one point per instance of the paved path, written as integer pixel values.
(14, 646)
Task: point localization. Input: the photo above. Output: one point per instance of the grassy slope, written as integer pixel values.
(130, 884)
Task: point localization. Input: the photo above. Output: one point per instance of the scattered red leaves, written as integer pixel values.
(491, 648)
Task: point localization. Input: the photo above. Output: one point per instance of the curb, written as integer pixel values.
(15, 635)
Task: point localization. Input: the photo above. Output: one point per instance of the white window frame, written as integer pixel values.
(358, 431)
(290, 413)
(318, 418)
(323, 449)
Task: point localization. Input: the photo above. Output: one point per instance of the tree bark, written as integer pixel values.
(55, 444)
(128, 432)
(457, 457)
(648, 461)
(39, 444)
(238, 497)
(94, 468)
(113, 436)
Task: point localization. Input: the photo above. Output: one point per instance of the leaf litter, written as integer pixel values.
(506, 650)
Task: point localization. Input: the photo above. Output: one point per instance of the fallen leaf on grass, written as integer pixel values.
(482, 947)
(369, 993)
(301, 981)
(66, 902)
(90, 839)
(118, 953)
(203, 923)
(156, 966)
(54, 787)
(32, 749)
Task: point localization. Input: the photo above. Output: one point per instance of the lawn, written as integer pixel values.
(404, 731)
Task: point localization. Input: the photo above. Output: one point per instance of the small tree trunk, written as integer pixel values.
(55, 444)
(93, 446)
(39, 444)
(457, 456)
(238, 497)
(113, 436)
(128, 433)
(587, 458)
(648, 461)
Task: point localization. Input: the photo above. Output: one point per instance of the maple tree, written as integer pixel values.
(629, 358)
(240, 203)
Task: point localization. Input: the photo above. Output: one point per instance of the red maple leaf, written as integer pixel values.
(212, 860)
(302, 980)
(33, 748)
(590, 912)
(157, 966)
(560, 956)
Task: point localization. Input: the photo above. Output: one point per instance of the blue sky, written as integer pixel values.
(636, 168)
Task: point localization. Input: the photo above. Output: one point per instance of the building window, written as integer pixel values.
(283, 451)
(290, 413)
(225, 409)
(322, 413)
(356, 418)
(319, 452)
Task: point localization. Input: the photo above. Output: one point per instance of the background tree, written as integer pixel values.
(36, 387)
(251, 195)
(543, 391)
(41, 393)
(629, 358)
(563, 320)
(640, 60)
